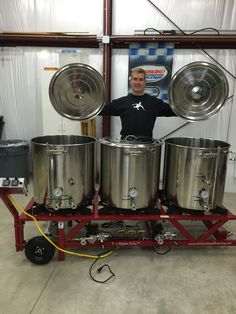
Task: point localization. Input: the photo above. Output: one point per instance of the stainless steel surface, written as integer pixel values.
(77, 91)
(129, 173)
(63, 170)
(198, 90)
(195, 172)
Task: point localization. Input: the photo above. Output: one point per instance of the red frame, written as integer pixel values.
(213, 222)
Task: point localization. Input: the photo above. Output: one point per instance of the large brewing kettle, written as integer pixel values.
(195, 172)
(129, 174)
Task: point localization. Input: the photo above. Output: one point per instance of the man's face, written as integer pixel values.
(137, 83)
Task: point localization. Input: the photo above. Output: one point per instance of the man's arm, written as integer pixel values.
(111, 109)
(163, 109)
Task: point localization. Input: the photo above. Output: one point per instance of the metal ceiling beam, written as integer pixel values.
(117, 41)
(48, 40)
(107, 49)
(180, 41)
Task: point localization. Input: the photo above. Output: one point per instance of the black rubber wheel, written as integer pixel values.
(39, 251)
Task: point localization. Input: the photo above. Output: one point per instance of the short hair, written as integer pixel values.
(139, 71)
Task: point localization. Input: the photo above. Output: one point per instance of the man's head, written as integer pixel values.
(137, 81)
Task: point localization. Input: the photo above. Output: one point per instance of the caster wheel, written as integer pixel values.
(39, 251)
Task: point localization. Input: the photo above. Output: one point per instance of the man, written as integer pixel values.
(138, 110)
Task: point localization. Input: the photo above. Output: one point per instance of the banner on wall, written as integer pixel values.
(157, 60)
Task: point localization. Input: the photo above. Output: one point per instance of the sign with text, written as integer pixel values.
(156, 59)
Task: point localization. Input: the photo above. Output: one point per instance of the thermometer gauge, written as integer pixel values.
(57, 192)
(133, 192)
(204, 194)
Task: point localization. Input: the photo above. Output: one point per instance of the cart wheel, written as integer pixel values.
(39, 251)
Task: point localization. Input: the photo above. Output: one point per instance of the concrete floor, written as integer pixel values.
(184, 281)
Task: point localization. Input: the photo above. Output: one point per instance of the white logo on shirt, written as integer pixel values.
(138, 106)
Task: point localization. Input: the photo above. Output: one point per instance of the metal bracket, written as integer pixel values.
(232, 156)
(60, 225)
(105, 39)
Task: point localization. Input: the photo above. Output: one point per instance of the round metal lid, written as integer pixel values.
(77, 91)
(198, 90)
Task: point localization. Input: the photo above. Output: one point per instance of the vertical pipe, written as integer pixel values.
(107, 31)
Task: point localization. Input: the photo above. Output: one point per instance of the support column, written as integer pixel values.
(107, 31)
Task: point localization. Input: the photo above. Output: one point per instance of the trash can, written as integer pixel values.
(1, 125)
(14, 159)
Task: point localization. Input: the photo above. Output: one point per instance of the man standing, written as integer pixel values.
(138, 110)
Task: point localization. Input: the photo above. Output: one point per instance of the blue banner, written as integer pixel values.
(156, 59)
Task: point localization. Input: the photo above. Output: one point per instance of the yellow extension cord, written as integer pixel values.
(18, 206)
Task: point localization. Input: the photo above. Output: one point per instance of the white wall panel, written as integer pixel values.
(51, 16)
(188, 15)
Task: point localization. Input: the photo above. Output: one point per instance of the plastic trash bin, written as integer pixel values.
(14, 159)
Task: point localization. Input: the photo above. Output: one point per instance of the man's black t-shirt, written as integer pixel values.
(138, 113)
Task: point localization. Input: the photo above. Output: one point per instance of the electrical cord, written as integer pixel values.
(203, 29)
(99, 270)
(152, 29)
(19, 207)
